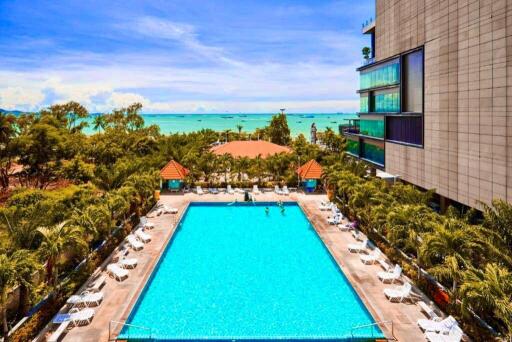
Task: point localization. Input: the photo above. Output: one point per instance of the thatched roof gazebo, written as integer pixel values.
(172, 176)
(309, 174)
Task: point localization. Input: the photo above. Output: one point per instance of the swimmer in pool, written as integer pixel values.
(267, 210)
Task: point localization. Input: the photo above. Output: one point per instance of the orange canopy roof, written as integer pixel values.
(310, 170)
(173, 170)
(250, 149)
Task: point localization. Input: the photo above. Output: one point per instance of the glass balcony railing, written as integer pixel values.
(379, 76)
(372, 152)
(387, 102)
(372, 128)
(353, 147)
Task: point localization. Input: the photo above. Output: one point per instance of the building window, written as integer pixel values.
(353, 146)
(412, 82)
(363, 101)
(373, 151)
(372, 127)
(381, 75)
(385, 101)
(406, 129)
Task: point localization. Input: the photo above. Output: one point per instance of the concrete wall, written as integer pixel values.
(467, 153)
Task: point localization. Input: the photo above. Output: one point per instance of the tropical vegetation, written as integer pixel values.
(68, 199)
(467, 253)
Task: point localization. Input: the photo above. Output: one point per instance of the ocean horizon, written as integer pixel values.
(190, 122)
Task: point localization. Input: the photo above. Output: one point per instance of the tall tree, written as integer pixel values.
(489, 290)
(55, 242)
(15, 269)
(8, 133)
(278, 130)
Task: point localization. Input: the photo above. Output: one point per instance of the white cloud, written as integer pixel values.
(103, 81)
(20, 97)
(183, 33)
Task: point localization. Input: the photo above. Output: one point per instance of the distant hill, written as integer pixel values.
(14, 112)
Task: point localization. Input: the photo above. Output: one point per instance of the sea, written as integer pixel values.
(186, 123)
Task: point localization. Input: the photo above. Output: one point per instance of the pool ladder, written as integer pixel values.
(372, 326)
(114, 330)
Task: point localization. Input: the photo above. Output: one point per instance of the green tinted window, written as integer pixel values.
(386, 102)
(373, 153)
(372, 128)
(353, 146)
(363, 101)
(379, 76)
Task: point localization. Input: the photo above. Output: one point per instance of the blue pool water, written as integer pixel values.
(234, 272)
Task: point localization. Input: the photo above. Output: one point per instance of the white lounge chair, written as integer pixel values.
(117, 272)
(398, 294)
(277, 190)
(55, 336)
(385, 266)
(443, 326)
(255, 190)
(358, 235)
(455, 335)
(337, 219)
(229, 190)
(390, 276)
(324, 206)
(145, 223)
(75, 316)
(285, 190)
(97, 284)
(345, 227)
(373, 257)
(144, 237)
(199, 190)
(127, 263)
(168, 210)
(134, 243)
(86, 299)
(429, 311)
(358, 247)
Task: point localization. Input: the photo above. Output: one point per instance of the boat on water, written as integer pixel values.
(308, 116)
(227, 117)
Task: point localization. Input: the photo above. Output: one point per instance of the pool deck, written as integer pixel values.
(119, 297)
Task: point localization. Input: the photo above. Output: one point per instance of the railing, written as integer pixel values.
(368, 61)
(114, 331)
(372, 326)
(367, 23)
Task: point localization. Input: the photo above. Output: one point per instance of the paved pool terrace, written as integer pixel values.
(120, 297)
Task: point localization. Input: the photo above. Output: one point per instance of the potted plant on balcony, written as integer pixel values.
(366, 52)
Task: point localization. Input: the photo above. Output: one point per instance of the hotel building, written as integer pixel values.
(436, 97)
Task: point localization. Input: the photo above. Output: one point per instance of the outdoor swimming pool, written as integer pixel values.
(233, 272)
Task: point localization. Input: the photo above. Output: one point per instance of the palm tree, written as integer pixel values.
(226, 164)
(117, 206)
(57, 240)
(489, 291)
(99, 122)
(498, 217)
(451, 248)
(242, 165)
(15, 270)
(239, 128)
(226, 132)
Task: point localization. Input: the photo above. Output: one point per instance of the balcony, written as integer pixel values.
(368, 61)
(352, 128)
(368, 26)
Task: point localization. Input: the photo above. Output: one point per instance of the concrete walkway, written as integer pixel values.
(121, 296)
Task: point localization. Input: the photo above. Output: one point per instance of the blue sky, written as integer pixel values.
(183, 55)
